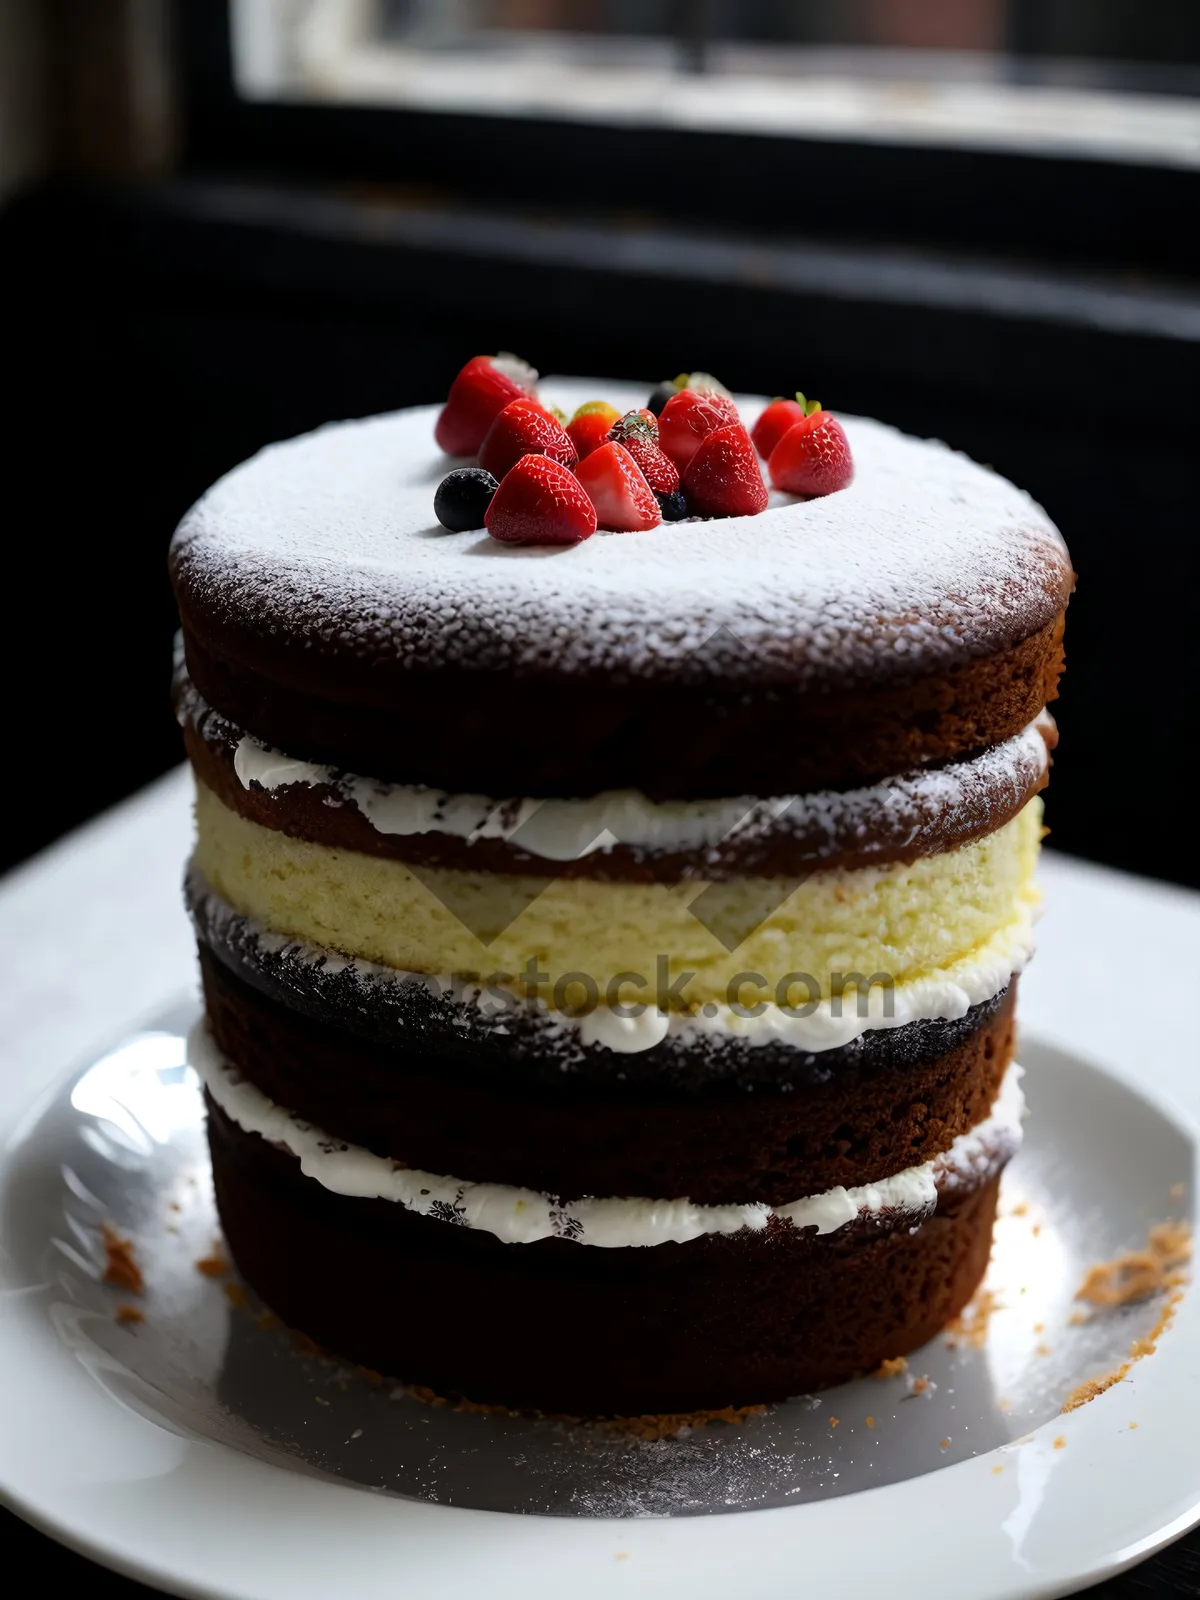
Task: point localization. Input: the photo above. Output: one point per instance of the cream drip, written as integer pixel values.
(523, 1216)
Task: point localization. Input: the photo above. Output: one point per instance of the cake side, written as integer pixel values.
(326, 613)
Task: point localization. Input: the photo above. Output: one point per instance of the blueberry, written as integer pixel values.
(660, 397)
(462, 498)
(672, 506)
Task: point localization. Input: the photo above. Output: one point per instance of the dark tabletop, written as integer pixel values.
(1173, 1572)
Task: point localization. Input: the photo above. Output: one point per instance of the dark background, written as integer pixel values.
(289, 264)
(187, 283)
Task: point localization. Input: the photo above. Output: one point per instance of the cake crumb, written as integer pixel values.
(892, 1367)
(996, 1471)
(215, 1265)
(1061, 1442)
(357, 1434)
(174, 1206)
(1003, 1404)
(236, 1296)
(1131, 1427)
(126, 1315)
(621, 1555)
(1021, 1209)
(1082, 1393)
(1039, 1327)
(1036, 1229)
(922, 1385)
(970, 1327)
(1043, 1350)
(120, 1264)
(1078, 1319)
(870, 1422)
(1138, 1274)
(833, 1422)
(944, 1445)
(320, 1399)
(1176, 1194)
(649, 1427)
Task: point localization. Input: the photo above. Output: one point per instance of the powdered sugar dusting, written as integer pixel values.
(330, 541)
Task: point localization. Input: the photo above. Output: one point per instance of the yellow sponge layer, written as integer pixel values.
(905, 921)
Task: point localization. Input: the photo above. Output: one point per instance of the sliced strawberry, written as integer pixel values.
(775, 421)
(480, 392)
(540, 502)
(723, 478)
(813, 457)
(623, 499)
(687, 418)
(524, 428)
(588, 428)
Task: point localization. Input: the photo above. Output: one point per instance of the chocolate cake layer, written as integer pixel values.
(571, 1139)
(556, 734)
(560, 1327)
(888, 827)
(454, 1034)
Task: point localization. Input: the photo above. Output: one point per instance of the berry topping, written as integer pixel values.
(687, 417)
(589, 427)
(480, 392)
(723, 478)
(775, 421)
(623, 499)
(659, 471)
(525, 428)
(673, 506)
(463, 497)
(540, 502)
(813, 457)
(660, 394)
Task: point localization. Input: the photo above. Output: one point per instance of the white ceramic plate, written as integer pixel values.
(199, 1452)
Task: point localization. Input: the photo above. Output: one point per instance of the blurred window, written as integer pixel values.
(1112, 78)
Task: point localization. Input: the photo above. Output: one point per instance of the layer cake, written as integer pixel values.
(610, 950)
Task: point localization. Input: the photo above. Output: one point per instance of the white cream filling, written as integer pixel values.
(522, 1216)
(565, 830)
(943, 995)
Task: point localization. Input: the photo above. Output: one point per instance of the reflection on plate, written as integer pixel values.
(123, 1143)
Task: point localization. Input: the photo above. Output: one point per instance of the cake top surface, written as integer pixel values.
(327, 545)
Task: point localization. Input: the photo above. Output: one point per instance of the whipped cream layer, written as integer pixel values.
(896, 812)
(523, 1216)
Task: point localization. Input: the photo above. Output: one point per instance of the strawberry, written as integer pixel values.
(687, 417)
(524, 428)
(813, 457)
(540, 502)
(723, 478)
(623, 499)
(637, 431)
(589, 427)
(775, 421)
(659, 471)
(482, 389)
